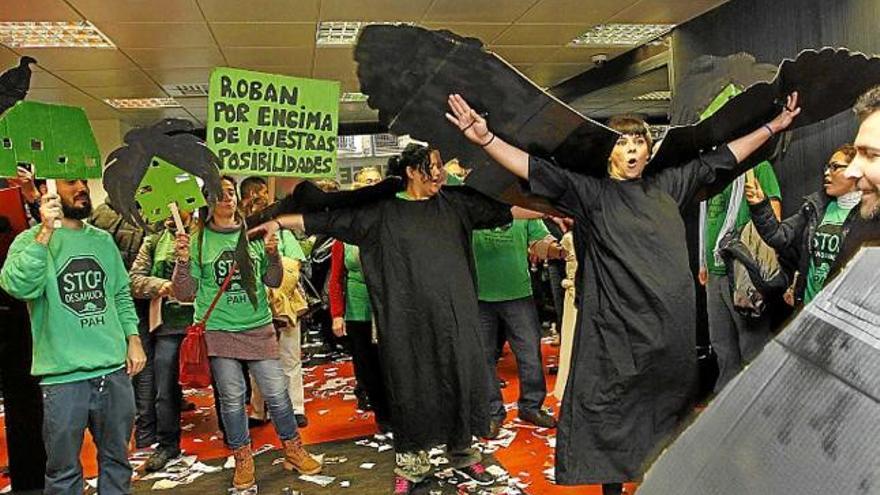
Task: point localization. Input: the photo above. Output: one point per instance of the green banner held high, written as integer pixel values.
(266, 124)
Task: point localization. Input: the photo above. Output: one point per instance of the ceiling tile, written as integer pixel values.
(335, 60)
(37, 10)
(79, 58)
(42, 79)
(242, 56)
(525, 54)
(181, 76)
(580, 54)
(484, 32)
(158, 34)
(260, 10)
(194, 103)
(471, 11)
(105, 78)
(374, 10)
(154, 58)
(138, 10)
(547, 75)
(264, 33)
(539, 34)
(286, 70)
(665, 11)
(575, 11)
(127, 92)
(8, 58)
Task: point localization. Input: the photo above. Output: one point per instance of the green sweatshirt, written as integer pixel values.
(79, 300)
(211, 258)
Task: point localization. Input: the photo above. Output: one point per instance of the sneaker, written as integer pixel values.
(538, 418)
(477, 473)
(494, 429)
(301, 420)
(159, 458)
(402, 486)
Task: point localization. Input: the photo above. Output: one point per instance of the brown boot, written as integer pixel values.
(296, 457)
(244, 468)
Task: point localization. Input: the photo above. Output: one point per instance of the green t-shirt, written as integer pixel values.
(501, 256)
(826, 246)
(234, 311)
(716, 212)
(357, 299)
(175, 315)
(289, 246)
(79, 301)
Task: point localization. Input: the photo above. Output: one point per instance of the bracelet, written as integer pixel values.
(767, 126)
(487, 143)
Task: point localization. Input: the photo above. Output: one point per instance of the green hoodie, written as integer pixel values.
(79, 300)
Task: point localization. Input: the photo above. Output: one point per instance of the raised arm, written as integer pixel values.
(475, 128)
(748, 144)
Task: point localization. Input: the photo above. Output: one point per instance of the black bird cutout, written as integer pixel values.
(408, 73)
(15, 83)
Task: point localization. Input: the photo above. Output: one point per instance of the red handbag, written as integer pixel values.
(195, 367)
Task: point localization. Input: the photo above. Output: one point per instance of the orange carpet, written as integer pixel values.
(333, 416)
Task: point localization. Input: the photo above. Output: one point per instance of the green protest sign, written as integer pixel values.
(55, 141)
(267, 124)
(164, 183)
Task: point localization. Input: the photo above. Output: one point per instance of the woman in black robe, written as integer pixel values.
(417, 261)
(633, 367)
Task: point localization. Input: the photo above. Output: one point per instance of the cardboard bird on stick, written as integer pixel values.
(408, 72)
(157, 167)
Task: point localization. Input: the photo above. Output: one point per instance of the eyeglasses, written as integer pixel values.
(834, 167)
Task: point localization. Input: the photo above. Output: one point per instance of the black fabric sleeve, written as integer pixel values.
(684, 182)
(478, 210)
(351, 225)
(781, 236)
(563, 188)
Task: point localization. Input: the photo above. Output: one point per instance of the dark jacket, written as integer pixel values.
(792, 238)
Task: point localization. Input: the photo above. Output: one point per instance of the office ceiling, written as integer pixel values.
(162, 42)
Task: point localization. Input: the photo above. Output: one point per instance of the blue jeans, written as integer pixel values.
(104, 405)
(520, 318)
(166, 369)
(230, 379)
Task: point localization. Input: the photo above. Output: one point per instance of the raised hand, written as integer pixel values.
(271, 243)
(787, 115)
(753, 192)
(50, 210)
(472, 124)
(181, 247)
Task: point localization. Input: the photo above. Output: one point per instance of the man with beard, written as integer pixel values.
(865, 167)
(85, 338)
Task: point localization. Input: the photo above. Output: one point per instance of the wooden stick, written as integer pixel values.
(52, 188)
(178, 222)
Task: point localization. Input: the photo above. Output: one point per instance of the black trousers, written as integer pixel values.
(22, 399)
(367, 369)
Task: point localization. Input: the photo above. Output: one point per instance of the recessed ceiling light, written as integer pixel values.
(186, 90)
(655, 96)
(621, 34)
(141, 103)
(339, 33)
(353, 98)
(82, 34)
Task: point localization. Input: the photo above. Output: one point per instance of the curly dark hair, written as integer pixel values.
(414, 156)
(868, 103)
